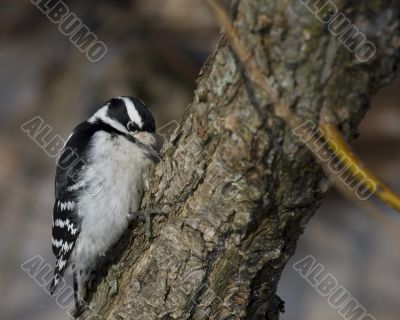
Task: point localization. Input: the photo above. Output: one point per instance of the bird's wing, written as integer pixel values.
(66, 223)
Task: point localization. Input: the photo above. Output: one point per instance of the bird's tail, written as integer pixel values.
(54, 282)
(79, 305)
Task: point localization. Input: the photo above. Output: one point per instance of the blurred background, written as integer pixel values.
(155, 51)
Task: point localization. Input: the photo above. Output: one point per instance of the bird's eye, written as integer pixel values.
(132, 127)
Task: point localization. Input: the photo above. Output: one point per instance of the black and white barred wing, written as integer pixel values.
(66, 224)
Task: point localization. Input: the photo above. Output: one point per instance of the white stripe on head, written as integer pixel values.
(102, 115)
(132, 112)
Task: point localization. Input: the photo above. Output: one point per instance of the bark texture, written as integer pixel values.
(237, 186)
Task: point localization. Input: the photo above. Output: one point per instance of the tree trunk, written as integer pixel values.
(236, 184)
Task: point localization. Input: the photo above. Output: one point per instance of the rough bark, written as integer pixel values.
(237, 186)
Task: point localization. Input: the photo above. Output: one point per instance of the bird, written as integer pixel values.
(99, 185)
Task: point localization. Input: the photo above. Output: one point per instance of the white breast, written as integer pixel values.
(104, 209)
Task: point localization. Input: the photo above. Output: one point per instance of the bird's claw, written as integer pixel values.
(146, 216)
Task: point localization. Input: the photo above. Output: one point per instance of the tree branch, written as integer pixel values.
(236, 184)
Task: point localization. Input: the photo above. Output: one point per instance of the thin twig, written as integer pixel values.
(359, 171)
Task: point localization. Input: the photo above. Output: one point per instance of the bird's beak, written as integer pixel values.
(149, 142)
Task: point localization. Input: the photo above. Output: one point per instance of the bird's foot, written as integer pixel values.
(146, 216)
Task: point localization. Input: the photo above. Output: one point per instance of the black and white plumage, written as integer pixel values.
(99, 181)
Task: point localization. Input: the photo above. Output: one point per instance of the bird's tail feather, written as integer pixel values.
(54, 283)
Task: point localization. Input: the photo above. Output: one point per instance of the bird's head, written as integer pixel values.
(132, 118)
